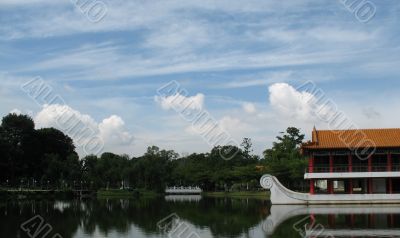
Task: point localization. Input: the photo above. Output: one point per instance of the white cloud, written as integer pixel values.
(112, 131)
(82, 127)
(180, 102)
(249, 107)
(291, 103)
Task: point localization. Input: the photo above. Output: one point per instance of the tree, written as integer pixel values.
(54, 141)
(284, 159)
(287, 147)
(247, 147)
(18, 138)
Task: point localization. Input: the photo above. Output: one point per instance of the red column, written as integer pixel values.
(350, 186)
(370, 186)
(311, 164)
(370, 163)
(331, 220)
(350, 159)
(330, 186)
(371, 220)
(312, 186)
(311, 170)
(390, 185)
(330, 163)
(389, 162)
(352, 220)
(391, 220)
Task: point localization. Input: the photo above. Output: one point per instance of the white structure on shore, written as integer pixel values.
(183, 190)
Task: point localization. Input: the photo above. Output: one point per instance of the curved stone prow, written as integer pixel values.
(280, 194)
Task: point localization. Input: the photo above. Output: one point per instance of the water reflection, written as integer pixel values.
(335, 221)
(208, 217)
(219, 217)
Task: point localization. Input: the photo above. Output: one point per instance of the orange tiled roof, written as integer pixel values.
(349, 139)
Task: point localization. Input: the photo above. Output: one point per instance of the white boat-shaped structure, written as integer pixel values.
(346, 167)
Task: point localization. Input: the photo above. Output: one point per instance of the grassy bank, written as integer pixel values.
(242, 194)
(36, 194)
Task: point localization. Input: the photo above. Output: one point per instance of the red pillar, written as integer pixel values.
(330, 186)
(391, 220)
(350, 162)
(330, 182)
(312, 186)
(370, 186)
(311, 164)
(350, 186)
(330, 163)
(331, 220)
(350, 159)
(311, 170)
(389, 162)
(390, 185)
(352, 220)
(370, 163)
(371, 220)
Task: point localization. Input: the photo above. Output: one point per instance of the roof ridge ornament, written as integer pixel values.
(315, 132)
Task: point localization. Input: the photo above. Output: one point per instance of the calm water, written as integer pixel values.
(206, 217)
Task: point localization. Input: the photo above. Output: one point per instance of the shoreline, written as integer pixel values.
(243, 194)
(117, 193)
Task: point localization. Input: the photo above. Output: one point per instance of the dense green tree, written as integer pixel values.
(54, 141)
(48, 155)
(287, 146)
(284, 159)
(247, 147)
(18, 145)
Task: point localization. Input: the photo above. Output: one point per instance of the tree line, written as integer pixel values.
(46, 157)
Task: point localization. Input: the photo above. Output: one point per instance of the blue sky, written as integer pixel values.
(228, 55)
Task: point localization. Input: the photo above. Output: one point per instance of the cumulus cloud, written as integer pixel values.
(180, 102)
(292, 103)
(112, 130)
(82, 127)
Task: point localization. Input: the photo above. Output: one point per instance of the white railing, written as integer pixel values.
(183, 190)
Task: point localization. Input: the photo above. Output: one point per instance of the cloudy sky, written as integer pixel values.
(243, 62)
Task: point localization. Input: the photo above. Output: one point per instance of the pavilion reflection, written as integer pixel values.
(336, 221)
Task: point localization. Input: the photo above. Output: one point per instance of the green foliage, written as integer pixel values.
(284, 160)
(41, 155)
(48, 156)
(287, 146)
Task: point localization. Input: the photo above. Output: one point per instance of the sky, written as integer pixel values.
(243, 63)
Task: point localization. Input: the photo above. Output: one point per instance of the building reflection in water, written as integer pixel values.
(336, 221)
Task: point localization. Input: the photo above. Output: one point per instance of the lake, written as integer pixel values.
(191, 217)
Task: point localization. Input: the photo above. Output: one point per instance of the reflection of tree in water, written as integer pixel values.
(63, 221)
(224, 217)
